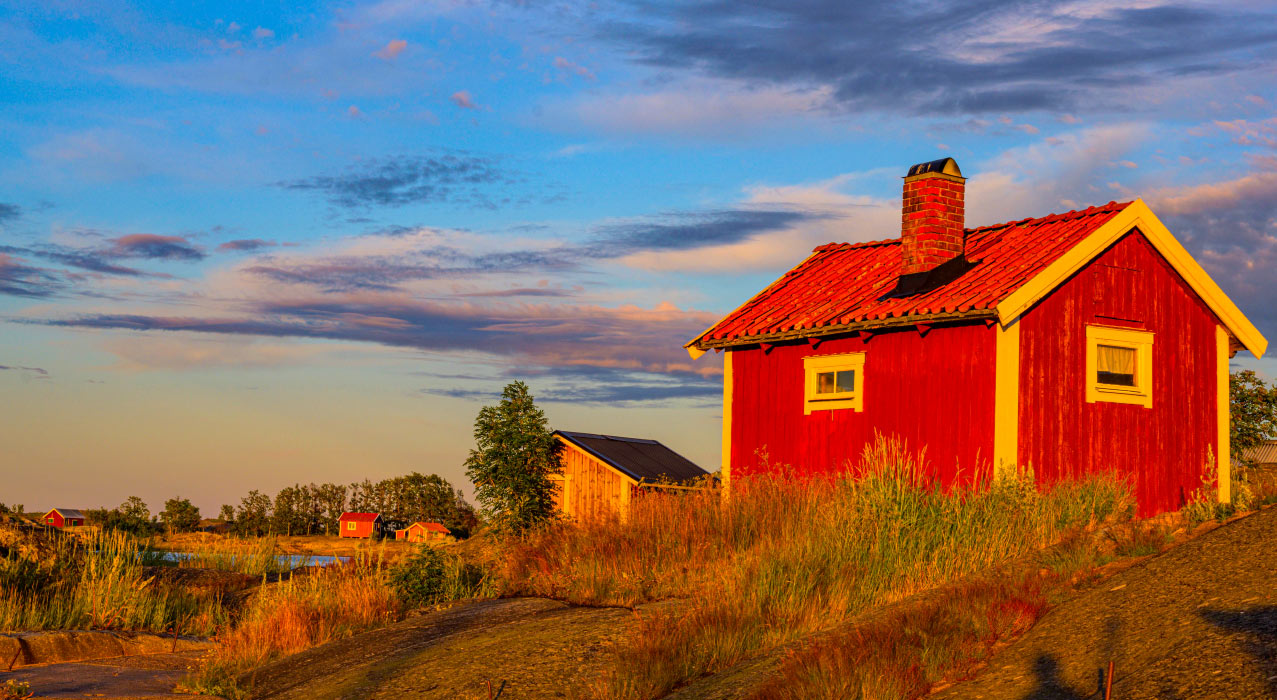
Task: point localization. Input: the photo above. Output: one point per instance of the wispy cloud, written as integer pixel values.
(980, 56)
(153, 247)
(443, 177)
(391, 50)
(36, 372)
(18, 279)
(9, 212)
(462, 99)
(246, 245)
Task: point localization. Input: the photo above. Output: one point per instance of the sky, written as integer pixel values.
(246, 245)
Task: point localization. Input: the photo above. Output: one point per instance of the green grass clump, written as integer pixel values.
(256, 556)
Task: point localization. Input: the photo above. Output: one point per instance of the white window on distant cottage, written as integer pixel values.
(1119, 366)
(833, 382)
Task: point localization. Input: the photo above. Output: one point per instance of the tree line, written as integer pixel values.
(306, 509)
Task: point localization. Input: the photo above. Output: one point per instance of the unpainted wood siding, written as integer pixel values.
(934, 392)
(588, 488)
(1162, 450)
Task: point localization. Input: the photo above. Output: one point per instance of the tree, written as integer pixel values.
(180, 515)
(514, 457)
(228, 512)
(1253, 409)
(136, 509)
(253, 516)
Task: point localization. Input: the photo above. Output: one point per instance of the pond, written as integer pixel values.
(292, 561)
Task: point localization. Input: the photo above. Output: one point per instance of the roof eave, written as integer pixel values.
(1136, 215)
(844, 328)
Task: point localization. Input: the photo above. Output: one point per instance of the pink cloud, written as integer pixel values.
(392, 50)
(462, 99)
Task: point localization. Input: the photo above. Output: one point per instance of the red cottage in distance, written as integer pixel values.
(361, 525)
(1072, 343)
(64, 517)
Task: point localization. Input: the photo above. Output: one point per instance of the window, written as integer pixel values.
(350, 525)
(1119, 365)
(833, 382)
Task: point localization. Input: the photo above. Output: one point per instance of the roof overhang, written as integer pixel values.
(699, 346)
(1136, 215)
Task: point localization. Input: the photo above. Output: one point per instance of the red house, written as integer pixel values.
(362, 525)
(422, 532)
(1072, 343)
(64, 517)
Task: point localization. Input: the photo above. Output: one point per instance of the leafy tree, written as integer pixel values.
(331, 499)
(1253, 405)
(180, 515)
(135, 508)
(253, 516)
(514, 457)
(228, 513)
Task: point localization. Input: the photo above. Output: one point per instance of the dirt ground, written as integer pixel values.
(1196, 622)
(511, 648)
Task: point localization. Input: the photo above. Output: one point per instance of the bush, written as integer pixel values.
(430, 576)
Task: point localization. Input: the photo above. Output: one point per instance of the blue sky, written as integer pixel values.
(244, 245)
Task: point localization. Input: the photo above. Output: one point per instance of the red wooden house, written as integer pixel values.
(64, 517)
(1072, 343)
(362, 525)
(422, 532)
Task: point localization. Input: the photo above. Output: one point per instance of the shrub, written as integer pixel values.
(430, 576)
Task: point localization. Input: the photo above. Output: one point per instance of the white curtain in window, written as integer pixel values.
(1115, 360)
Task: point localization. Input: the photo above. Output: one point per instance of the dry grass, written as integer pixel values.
(779, 561)
(97, 581)
(255, 556)
(295, 615)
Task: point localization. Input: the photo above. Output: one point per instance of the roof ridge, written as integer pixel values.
(1062, 216)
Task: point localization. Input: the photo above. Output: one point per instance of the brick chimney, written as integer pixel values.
(933, 216)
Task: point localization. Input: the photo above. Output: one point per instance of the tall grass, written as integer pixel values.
(258, 556)
(331, 603)
(93, 582)
(779, 560)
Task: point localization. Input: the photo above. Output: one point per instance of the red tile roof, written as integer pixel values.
(843, 284)
(360, 517)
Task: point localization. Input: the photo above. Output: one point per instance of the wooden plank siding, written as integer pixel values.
(1161, 449)
(934, 391)
(589, 488)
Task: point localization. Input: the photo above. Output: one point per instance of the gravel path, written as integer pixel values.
(1196, 622)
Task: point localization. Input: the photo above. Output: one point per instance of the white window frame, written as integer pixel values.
(1142, 343)
(819, 364)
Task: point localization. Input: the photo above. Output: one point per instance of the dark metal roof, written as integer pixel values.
(69, 513)
(1263, 453)
(640, 459)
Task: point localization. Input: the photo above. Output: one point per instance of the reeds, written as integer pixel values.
(97, 581)
(779, 560)
(257, 556)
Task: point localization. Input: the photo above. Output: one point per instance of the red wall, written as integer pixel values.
(55, 516)
(362, 529)
(934, 391)
(1161, 449)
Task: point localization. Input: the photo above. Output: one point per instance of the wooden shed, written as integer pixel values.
(64, 517)
(362, 525)
(1073, 343)
(423, 532)
(601, 473)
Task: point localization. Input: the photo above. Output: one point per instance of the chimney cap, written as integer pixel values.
(945, 166)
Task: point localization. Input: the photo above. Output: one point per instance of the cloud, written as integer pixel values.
(692, 230)
(462, 99)
(262, 33)
(17, 279)
(90, 260)
(397, 181)
(704, 108)
(246, 245)
(391, 50)
(28, 372)
(566, 66)
(593, 386)
(9, 212)
(153, 247)
(551, 335)
(979, 57)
